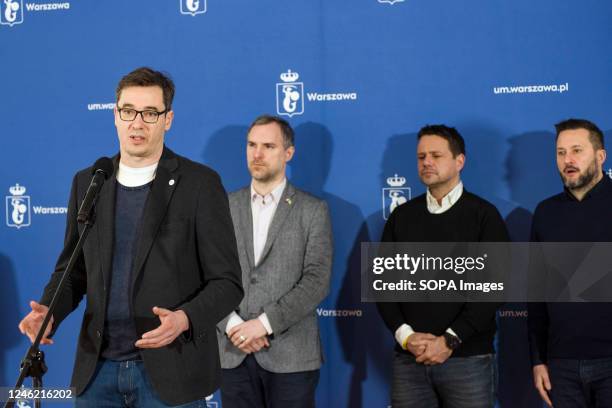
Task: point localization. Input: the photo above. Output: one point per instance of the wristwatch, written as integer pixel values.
(452, 342)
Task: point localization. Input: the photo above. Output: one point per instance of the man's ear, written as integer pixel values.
(289, 152)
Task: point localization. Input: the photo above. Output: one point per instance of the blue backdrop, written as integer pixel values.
(370, 73)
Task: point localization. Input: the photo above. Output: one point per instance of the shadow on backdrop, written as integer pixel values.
(399, 158)
(531, 176)
(531, 168)
(309, 171)
(486, 164)
(485, 168)
(225, 152)
(9, 302)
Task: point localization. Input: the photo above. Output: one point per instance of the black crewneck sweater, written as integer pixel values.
(470, 219)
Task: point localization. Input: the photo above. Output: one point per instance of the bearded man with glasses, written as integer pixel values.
(160, 267)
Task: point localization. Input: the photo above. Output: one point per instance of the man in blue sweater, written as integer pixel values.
(571, 343)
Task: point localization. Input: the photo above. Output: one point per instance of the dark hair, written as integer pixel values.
(450, 134)
(145, 76)
(595, 134)
(285, 127)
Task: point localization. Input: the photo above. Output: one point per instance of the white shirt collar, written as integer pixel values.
(447, 201)
(135, 176)
(275, 195)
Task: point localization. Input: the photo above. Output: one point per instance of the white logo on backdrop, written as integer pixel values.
(12, 12)
(392, 2)
(210, 403)
(394, 195)
(193, 7)
(23, 404)
(17, 207)
(19, 211)
(290, 94)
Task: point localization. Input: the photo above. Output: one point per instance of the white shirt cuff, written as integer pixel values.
(234, 320)
(402, 333)
(263, 318)
(452, 333)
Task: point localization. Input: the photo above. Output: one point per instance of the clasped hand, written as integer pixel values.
(428, 349)
(250, 336)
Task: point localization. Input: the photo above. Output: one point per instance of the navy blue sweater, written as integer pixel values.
(120, 331)
(572, 330)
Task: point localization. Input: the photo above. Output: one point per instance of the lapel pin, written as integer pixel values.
(171, 182)
(288, 200)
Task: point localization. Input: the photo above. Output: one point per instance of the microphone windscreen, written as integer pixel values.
(104, 164)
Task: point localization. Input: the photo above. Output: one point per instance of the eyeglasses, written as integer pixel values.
(148, 116)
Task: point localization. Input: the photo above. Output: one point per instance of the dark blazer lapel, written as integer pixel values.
(282, 211)
(246, 223)
(105, 223)
(156, 207)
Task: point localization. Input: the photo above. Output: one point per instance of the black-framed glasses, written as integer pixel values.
(148, 116)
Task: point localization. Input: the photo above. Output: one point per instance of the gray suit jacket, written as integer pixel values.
(290, 280)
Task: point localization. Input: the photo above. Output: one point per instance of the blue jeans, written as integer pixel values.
(581, 383)
(459, 382)
(123, 384)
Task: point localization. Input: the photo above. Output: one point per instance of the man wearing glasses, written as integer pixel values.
(160, 267)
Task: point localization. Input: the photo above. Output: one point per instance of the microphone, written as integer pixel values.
(102, 169)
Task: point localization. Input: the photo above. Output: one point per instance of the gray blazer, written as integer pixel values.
(290, 280)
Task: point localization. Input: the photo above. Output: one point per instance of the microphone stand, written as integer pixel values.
(33, 363)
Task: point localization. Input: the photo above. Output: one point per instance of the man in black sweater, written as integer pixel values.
(571, 343)
(444, 351)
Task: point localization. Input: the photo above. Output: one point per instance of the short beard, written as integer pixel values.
(583, 180)
(263, 177)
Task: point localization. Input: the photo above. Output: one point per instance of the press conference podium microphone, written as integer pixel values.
(33, 364)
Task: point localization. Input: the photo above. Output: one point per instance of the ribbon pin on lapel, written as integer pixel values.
(288, 200)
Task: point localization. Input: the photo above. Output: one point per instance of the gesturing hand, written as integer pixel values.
(30, 325)
(172, 325)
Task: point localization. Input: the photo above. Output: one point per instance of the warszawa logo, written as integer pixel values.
(17, 207)
(11, 12)
(193, 7)
(394, 195)
(289, 94)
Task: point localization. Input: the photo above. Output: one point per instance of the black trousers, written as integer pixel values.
(251, 386)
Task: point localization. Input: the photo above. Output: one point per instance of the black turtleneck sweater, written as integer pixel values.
(572, 330)
(470, 219)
